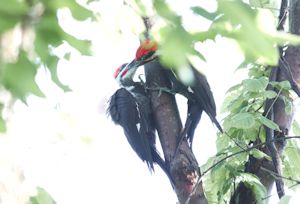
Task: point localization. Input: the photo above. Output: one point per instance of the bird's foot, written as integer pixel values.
(161, 89)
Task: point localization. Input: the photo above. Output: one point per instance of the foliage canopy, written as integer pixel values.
(251, 25)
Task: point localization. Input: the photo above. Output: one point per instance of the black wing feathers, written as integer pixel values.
(204, 95)
(133, 113)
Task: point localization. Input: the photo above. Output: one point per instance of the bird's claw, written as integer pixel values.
(162, 89)
(141, 80)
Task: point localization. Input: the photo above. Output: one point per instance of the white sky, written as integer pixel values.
(68, 146)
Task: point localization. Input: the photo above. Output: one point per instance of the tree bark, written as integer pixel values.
(182, 163)
(291, 62)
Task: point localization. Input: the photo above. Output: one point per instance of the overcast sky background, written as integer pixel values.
(66, 143)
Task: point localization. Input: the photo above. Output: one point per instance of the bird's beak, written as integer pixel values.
(134, 64)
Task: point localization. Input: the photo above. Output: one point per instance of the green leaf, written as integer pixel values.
(225, 188)
(48, 59)
(291, 161)
(13, 8)
(213, 182)
(286, 39)
(222, 143)
(257, 71)
(288, 104)
(259, 3)
(11, 13)
(252, 182)
(234, 88)
(204, 35)
(233, 103)
(78, 12)
(243, 13)
(83, 46)
(243, 121)
(259, 154)
(19, 78)
(268, 123)
(204, 13)
(198, 54)
(67, 56)
(250, 134)
(255, 42)
(42, 197)
(8, 23)
(270, 94)
(49, 32)
(233, 171)
(171, 55)
(255, 85)
(52, 67)
(285, 199)
(141, 7)
(296, 127)
(262, 136)
(164, 11)
(285, 85)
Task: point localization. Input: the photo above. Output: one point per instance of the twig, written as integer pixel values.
(284, 66)
(282, 14)
(270, 134)
(279, 176)
(275, 175)
(235, 142)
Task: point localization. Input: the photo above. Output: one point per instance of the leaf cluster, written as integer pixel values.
(244, 124)
(37, 24)
(250, 25)
(253, 27)
(42, 197)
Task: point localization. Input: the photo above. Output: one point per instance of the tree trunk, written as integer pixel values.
(182, 163)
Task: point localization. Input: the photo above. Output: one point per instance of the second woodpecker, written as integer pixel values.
(199, 95)
(130, 108)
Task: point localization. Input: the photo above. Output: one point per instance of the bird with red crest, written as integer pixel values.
(199, 95)
(130, 108)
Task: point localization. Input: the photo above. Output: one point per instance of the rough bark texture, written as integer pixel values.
(284, 120)
(293, 52)
(182, 163)
(168, 123)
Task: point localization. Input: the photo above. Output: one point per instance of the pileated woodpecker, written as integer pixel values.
(199, 94)
(130, 108)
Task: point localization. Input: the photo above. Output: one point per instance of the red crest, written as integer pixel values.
(119, 69)
(145, 48)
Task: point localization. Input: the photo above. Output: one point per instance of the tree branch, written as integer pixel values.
(277, 164)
